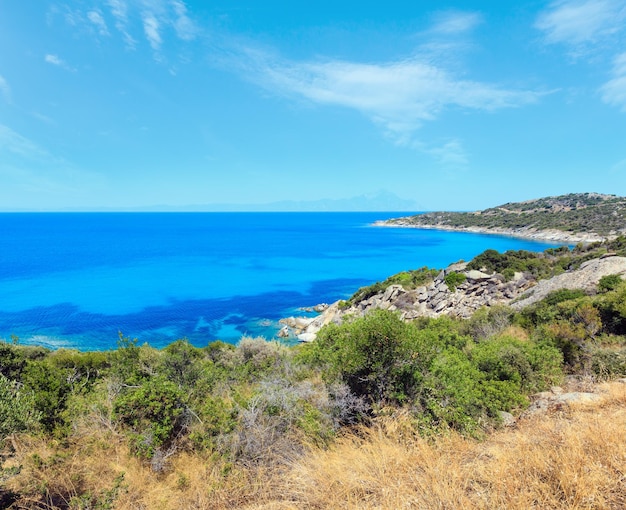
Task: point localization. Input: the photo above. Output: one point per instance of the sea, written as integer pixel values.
(79, 280)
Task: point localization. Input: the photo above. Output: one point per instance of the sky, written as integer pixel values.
(214, 104)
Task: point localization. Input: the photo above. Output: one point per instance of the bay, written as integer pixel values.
(77, 280)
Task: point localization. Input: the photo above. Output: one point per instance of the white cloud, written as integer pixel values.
(586, 27)
(450, 155)
(151, 29)
(59, 62)
(119, 10)
(614, 91)
(581, 22)
(184, 26)
(399, 96)
(5, 89)
(154, 21)
(17, 144)
(454, 22)
(96, 18)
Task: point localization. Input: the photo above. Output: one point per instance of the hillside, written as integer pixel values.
(501, 379)
(571, 218)
(514, 278)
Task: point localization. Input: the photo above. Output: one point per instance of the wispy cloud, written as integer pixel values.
(579, 23)
(33, 169)
(455, 22)
(5, 90)
(185, 28)
(151, 28)
(614, 91)
(450, 156)
(592, 27)
(96, 18)
(55, 60)
(399, 96)
(119, 11)
(153, 21)
(15, 143)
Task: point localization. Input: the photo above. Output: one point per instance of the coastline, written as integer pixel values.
(523, 233)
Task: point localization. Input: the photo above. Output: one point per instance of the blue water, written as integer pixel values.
(76, 280)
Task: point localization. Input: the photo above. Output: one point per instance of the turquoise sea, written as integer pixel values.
(77, 279)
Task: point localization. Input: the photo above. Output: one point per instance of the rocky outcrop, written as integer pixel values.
(586, 278)
(476, 290)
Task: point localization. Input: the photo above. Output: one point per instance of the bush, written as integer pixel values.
(17, 408)
(608, 363)
(370, 355)
(458, 395)
(609, 282)
(454, 279)
(180, 363)
(155, 414)
(50, 389)
(530, 366)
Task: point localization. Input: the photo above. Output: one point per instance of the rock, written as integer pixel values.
(284, 332)
(289, 321)
(508, 420)
(302, 322)
(307, 337)
(475, 275)
(548, 401)
(586, 278)
(479, 290)
(577, 397)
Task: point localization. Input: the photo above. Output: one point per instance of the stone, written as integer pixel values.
(306, 337)
(475, 275)
(302, 322)
(508, 420)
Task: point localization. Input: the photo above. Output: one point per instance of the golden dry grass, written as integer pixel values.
(573, 458)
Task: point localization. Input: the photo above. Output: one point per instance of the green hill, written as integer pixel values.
(576, 213)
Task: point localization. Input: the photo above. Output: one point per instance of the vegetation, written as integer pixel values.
(407, 279)
(226, 426)
(604, 215)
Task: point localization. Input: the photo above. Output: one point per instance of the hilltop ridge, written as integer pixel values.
(572, 218)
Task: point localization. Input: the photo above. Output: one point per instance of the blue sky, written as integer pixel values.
(132, 104)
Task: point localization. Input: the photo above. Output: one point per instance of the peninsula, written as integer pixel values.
(572, 218)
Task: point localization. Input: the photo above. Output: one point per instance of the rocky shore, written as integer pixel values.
(534, 234)
(476, 290)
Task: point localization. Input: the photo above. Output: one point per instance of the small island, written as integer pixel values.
(572, 218)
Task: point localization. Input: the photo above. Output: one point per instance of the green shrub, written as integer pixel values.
(458, 395)
(155, 415)
(50, 389)
(408, 279)
(609, 282)
(17, 408)
(454, 279)
(180, 362)
(530, 366)
(608, 363)
(370, 355)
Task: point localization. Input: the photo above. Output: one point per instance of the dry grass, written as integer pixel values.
(574, 458)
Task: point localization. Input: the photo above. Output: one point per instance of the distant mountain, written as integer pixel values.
(577, 216)
(379, 201)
